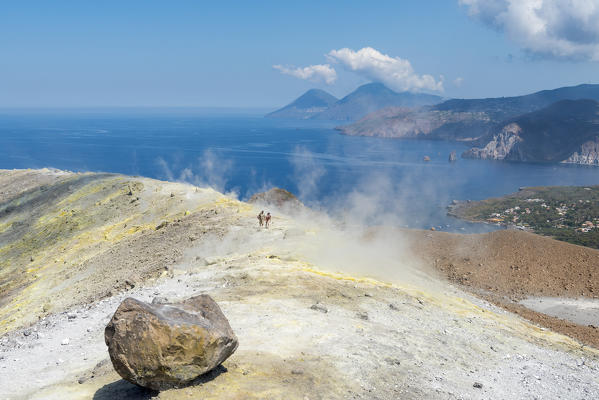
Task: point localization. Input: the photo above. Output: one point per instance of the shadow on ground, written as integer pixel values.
(123, 389)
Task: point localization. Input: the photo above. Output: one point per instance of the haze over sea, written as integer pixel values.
(247, 153)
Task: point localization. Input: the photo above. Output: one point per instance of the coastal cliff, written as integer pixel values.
(565, 132)
(588, 155)
(500, 146)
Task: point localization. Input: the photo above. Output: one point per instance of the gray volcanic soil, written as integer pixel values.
(579, 311)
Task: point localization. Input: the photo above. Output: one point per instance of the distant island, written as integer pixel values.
(320, 105)
(567, 213)
(560, 125)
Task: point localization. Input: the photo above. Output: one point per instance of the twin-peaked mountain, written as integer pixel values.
(318, 104)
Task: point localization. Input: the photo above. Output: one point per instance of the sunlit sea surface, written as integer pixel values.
(248, 153)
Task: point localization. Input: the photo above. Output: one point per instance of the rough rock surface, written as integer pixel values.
(500, 146)
(160, 346)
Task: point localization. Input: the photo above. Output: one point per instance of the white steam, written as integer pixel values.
(210, 170)
(307, 173)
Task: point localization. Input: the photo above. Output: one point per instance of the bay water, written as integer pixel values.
(246, 153)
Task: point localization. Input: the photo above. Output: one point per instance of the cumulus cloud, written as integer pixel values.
(567, 29)
(314, 73)
(395, 72)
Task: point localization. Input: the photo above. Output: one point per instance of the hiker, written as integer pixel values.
(261, 218)
(267, 219)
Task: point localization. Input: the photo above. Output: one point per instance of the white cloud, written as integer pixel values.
(395, 72)
(315, 73)
(458, 81)
(566, 29)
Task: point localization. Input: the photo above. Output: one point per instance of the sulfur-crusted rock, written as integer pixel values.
(160, 346)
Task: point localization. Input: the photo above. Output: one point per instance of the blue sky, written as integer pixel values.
(221, 54)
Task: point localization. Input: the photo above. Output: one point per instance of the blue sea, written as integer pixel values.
(245, 154)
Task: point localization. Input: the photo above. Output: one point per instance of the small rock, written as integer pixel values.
(362, 315)
(319, 307)
(392, 361)
(297, 372)
(82, 380)
(65, 342)
(393, 307)
(478, 385)
(161, 225)
(160, 300)
(71, 315)
(26, 332)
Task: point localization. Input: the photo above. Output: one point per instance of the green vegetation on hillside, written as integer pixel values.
(567, 213)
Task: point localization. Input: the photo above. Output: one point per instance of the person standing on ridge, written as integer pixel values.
(261, 218)
(268, 219)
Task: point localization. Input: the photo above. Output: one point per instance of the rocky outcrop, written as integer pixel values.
(160, 346)
(402, 123)
(588, 155)
(500, 146)
(277, 197)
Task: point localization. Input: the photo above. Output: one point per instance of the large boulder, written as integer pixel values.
(160, 346)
